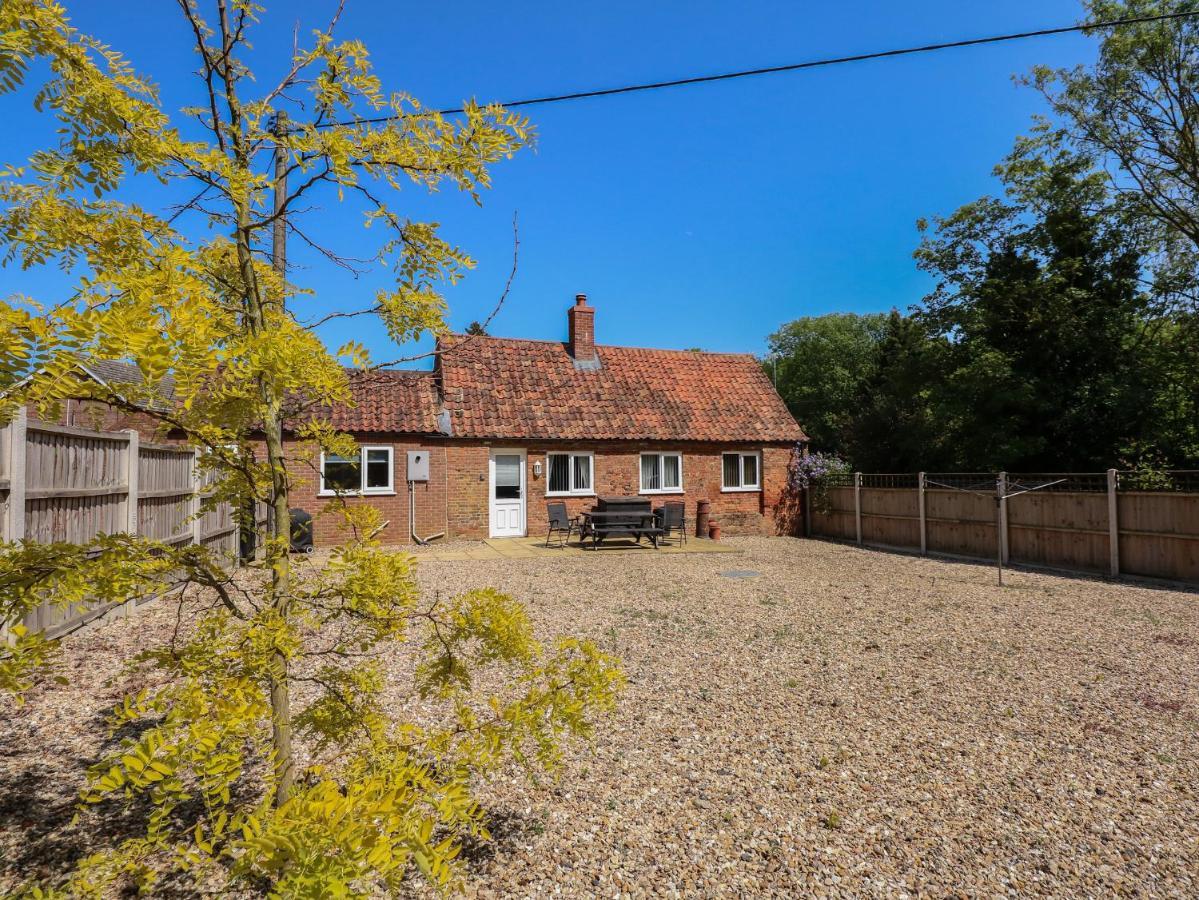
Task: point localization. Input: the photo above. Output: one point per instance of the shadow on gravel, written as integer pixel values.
(507, 829)
(38, 804)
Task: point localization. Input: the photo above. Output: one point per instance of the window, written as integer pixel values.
(370, 472)
(508, 468)
(569, 473)
(661, 473)
(741, 472)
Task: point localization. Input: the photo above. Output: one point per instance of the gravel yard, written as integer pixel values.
(847, 722)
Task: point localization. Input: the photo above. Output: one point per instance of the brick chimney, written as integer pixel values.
(582, 330)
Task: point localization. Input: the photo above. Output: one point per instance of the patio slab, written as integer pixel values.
(534, 548)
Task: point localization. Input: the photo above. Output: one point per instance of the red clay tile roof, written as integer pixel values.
(387, 401)
(511, 388)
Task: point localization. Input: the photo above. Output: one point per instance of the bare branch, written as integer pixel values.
(209, 70)
(298, 62)
(467, 339)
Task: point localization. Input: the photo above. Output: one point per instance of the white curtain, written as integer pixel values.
(582, 467)
(670, 471)
(651, 476)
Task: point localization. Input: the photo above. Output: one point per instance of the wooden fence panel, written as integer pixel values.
(836, 520)
(76, 484)
(1067, 527)
(960, 524)
(1059, 529)
(61, 483)
(890, 516)
(165, 486)
(1159, 534)
(217, 527)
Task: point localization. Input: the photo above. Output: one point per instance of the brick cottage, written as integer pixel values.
(504, 425)
(476, 447)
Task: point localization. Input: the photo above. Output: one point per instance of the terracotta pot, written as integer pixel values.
(703, 509)
(714, 530)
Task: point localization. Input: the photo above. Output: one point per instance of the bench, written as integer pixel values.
(620, 517)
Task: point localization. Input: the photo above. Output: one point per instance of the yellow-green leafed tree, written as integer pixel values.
(375, 799)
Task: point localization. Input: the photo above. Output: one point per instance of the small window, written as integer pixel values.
(569, 473)
(340, 475)
(378, 470)
(370, 472)
(661, 473)
(740, 472)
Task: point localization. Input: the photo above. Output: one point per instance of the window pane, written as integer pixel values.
(749, 469)
(582, 473)
(507, 476)
(732, 470)
(378, 468)
(341, 474)
(650, 475)
(670, 471)
(559, 479)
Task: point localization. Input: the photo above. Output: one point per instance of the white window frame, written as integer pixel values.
(742, 486)
(570, 474)
(662, 471)
(363, 490)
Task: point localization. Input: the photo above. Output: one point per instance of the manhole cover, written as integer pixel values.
(741, 573)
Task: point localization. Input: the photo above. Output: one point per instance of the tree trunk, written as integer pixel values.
(279, 547)
(285, 775)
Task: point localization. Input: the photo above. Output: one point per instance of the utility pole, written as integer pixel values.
(279, 231)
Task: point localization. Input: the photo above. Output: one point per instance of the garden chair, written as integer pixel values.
(560, 523)
(674, 520)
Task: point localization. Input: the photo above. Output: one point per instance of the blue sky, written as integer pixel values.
(692, 217)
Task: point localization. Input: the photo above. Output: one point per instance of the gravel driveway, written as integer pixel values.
(847, 722)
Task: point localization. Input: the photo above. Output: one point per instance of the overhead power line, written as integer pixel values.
(795, 67)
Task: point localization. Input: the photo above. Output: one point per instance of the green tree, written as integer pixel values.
(819, 364)
(1133, 114)
(212, 750)
(1056, 362)
(893, 427)
(1133, 111)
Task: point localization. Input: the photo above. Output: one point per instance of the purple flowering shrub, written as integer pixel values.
(808, 470)
(810, 474)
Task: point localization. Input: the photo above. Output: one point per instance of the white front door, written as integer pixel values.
(507, 482)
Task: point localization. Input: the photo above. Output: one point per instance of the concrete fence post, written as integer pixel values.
(1113, 523)
(14, 470)
(923, 514)
(14, 524)
(857, 504)
(1004, 552)
(197, 500)
(132, 471)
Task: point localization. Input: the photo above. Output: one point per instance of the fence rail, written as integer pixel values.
(61, 483)
(1111, 522)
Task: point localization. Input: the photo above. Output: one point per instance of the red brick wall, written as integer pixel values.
(455, 499)
(617, 472)
(470, 509)
(99, 416)
(429, 497)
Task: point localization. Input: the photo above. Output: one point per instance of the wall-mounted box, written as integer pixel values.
(418, 465)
